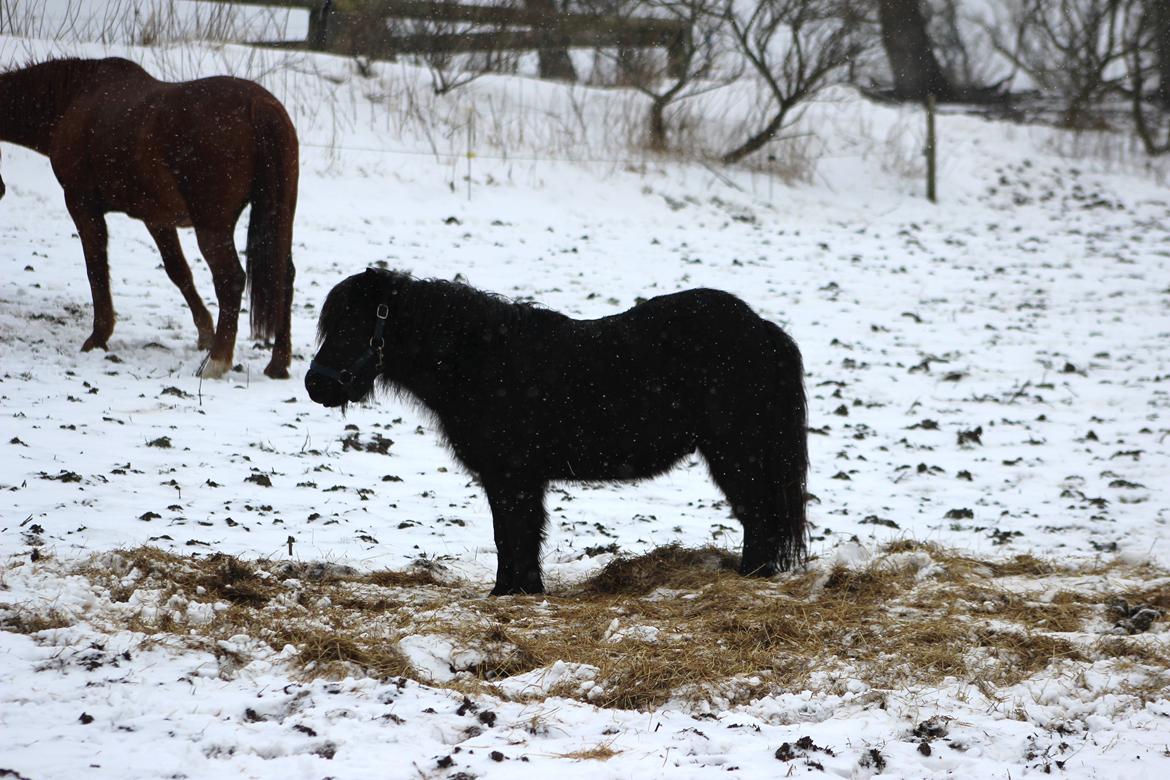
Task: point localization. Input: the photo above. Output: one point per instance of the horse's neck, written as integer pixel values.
(436, 341)
(34, 100)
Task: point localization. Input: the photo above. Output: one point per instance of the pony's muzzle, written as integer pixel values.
(327, 390)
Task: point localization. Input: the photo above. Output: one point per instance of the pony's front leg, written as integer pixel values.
(518, 518)
(219, 251)
(91, 229)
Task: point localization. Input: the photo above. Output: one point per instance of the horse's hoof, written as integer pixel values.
(276, 372)
(93, 342)
(214, 369)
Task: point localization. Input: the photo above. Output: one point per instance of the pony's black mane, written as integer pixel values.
(436, 306)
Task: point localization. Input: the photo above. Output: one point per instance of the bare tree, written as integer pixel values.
(689, 68)
(1072, 49)
(1156, 14)
(693, 69)
(449, 67)
(1147, 27)
(797, 47)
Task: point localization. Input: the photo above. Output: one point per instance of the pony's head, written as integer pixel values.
(352, 334)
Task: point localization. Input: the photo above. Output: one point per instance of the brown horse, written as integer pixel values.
(188, 154)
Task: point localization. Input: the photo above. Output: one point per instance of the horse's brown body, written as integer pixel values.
(190, 154)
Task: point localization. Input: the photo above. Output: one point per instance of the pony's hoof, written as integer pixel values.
(214, 369)
(528, 587)
(763, 570)
(516, 590)
(93, 342)
(276, 372)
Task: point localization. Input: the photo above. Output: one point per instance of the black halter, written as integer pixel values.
(361, 366)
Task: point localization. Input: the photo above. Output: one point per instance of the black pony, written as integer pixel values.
(526, 396)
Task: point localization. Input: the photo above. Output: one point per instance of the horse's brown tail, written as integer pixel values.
(788, 459)
(274, 202)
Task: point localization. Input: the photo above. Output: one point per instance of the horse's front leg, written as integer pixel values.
(219, 250)
(518, 518)
(91, 229)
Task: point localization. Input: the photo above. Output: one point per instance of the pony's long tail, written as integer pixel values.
(788, 460)
(274, 201)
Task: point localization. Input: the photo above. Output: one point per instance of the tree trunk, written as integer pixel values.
(759, 140)
(1159, 11)
(916, 70)
(658, 123)
(554, 62)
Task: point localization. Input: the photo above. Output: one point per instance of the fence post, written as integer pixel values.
(931, 151)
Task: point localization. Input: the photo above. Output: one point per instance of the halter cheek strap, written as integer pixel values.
(360, 367)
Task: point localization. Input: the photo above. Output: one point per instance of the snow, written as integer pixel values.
(1030, 304)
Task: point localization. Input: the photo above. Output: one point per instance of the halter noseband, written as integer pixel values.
(359, 367)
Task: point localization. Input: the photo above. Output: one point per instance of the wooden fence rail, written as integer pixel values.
(359, 27)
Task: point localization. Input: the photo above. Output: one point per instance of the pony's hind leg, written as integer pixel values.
(219, 251)
(741, 472)
(518, 518)
(167, 239)
(91, 229)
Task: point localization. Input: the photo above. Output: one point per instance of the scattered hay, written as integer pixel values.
(413, 577)
(672, 566)
(336, 655)
(218, 576)
(874, 582)
(600, 753)
(28, 622)
(672, 624)
(1023, 653)
(1023, 565)
(1127, 649)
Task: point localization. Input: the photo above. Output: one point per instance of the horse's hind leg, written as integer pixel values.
(171, 250)
(219, 251)
(518, 518)
(740, 470)
(91, 229)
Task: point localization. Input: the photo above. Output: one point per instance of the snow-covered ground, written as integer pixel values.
(989, 375)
